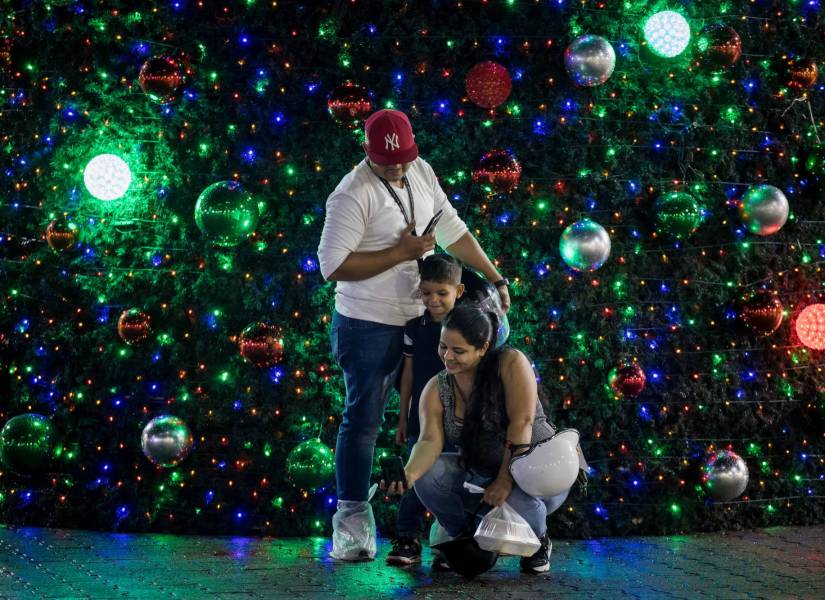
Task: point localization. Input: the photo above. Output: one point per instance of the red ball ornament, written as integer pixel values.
(500, 169)
(628, 380)
(349, 104)
(61, 235)
(761, 312)
(719, 46)
(134, 326)
(262, 344)
(810, 327)
(161, 78)
(488, 84)
(801, 73)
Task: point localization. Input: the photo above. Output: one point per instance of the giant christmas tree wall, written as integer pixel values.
(122, 302)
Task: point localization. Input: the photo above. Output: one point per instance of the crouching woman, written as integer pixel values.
(485, 402)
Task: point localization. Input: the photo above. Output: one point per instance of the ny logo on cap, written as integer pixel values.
(391, 141)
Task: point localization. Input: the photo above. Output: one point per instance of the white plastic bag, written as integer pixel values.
(505, 531)
(353, 530)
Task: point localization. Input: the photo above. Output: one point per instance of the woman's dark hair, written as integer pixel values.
(486, 401)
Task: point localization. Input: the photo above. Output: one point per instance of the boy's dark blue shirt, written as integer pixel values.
(421, 337)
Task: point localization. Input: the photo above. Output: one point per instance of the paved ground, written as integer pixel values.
(787, 562)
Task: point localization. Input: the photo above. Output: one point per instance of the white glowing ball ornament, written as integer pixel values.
(667, 33)
(107, 177)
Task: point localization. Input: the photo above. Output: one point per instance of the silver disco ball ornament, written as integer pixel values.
(726, 476)
(764, 209)
(585, 245)
(590, 60)
(166, 440)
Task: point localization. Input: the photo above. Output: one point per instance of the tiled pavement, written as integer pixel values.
(786, 563)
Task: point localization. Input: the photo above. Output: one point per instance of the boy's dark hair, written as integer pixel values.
(441, 268)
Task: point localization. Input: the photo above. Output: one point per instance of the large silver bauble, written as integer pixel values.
(590, 60)
(726, 476)
(764, 209)
(585, 245)
(166, 440)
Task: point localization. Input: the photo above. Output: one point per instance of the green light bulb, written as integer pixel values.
(667, 33)
(107, 177)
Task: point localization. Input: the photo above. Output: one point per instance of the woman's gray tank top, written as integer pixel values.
(492, 438)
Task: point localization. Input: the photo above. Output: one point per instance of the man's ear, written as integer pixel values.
(459, 290)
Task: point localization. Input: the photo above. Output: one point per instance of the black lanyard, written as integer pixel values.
(407, 219)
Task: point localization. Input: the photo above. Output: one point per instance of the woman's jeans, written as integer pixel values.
(369, 354)
(442, 491)
(411, 512)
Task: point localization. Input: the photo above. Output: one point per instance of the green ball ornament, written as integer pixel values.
(678, 215)
(226, 214)
(28, 443)
(310, 465)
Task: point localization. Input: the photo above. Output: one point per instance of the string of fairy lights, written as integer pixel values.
(79, 179)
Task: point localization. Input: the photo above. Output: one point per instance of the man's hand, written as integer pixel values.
(497, 492)
(504, 294)
(401, 432)
(412, 246)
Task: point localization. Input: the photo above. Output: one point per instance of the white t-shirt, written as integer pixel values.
(363, 217)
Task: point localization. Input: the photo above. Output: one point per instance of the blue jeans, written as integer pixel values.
(369, 354)
(441, 489)
(411, 512)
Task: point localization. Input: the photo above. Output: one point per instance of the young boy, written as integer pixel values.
(440, 287)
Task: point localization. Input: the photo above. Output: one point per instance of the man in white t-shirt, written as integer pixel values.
(373, 235)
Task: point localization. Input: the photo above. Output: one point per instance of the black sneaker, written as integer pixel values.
(540, 561)
(405, 551)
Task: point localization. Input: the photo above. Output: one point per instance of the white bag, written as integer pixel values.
(353, 530)
(505, 531)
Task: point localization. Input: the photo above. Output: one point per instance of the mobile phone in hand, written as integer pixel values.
(433, 222)
(392, 469)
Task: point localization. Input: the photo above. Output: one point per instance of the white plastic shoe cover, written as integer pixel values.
(353, 530)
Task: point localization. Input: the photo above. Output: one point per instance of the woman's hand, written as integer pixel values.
(396, 488)
(497, 492)
(411, 478)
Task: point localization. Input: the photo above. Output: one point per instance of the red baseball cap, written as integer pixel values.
(390, 140)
